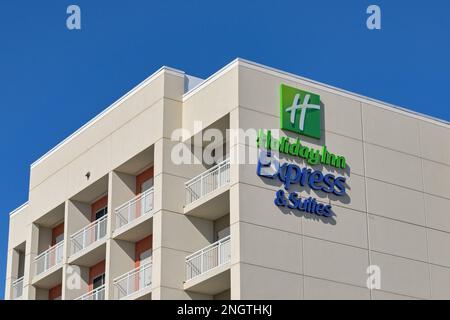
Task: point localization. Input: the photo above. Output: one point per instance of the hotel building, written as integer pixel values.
(111, 215)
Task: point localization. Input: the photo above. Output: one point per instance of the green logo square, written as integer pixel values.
(300, 111)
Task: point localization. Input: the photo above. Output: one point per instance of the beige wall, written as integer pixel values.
(399, 195)
(396, 214)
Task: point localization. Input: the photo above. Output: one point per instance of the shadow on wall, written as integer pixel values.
(319, 194)
(310, 216)
(305, 192)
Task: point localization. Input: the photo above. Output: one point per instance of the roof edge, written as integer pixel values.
(336, 90)
(210, 79)
(353, 95)
(217, 74)
(18, 209)
(107, 110)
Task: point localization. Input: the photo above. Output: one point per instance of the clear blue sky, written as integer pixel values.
(53, 80)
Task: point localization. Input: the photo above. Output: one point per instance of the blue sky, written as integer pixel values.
(53, 80)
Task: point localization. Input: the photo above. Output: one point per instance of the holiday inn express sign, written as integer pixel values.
(300, 112)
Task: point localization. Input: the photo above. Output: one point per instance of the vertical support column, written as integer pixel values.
(121, 260)
(235, 155)
(175, 234)
(17, 243)
(109, 229)
(122, 189)
(12, 268)
(74, 280)
(119, 254)
(66, 250)
(29, 292)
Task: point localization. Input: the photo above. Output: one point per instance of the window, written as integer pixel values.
(100, 213)
(59, 238)
(98, 281)
(146, 185)
(100, 230)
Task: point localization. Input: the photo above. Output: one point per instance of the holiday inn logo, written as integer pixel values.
(300, 111)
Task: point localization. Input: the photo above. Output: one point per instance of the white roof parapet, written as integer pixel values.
(108, 109)
(197, 84)
(319, 85)
(353, 95)
(18, 209)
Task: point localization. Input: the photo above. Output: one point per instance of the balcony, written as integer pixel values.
(208, 258)
(133, 282)
(48, 267)
(90, 234)
(208, 181)
(17, 288)
(208, 270)
(210, 185)
(49, 258)
(96, 294)
(135, 208)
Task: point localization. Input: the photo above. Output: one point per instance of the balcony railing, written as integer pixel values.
(208, 258)
(89, 234)
(96, 294)
(208, 181)
(17, 288)
(49, 258)
(133, 281)
(135, 208)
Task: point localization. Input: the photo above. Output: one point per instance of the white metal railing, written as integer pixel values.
(138, 206)
(88, 235)
(17, 288)
(208, 181)
(49, 258)
(133, 281)
(208, 258)
(96, 294)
